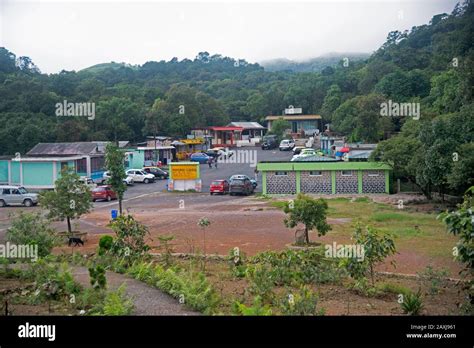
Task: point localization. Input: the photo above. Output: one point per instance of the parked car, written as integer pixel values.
(17, 195)
(269, 142)
(199, 157)
(128, 180)
(219, 186)
(88, 181)
(287, 145)
(104, 192)
(297, 150)
(304, 153)
(139, 175)
(243, 176)
(157, 172)
(240, 184)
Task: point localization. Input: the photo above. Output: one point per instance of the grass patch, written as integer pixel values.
(390, 216)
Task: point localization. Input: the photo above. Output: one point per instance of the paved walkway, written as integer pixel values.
(148, 300)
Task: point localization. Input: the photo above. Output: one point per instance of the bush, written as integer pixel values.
(130, 237)
(32, 229)
(257, 309)
(116, 303)
(261, 282)
(97, 277)
(435, 279)
(412, 303)
(304, 302)
(105, 244)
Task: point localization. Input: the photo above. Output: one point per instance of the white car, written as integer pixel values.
(139, 175)
(287, 144)
(128, 180)
(304, 153)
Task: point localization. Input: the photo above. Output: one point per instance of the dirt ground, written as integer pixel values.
(249, 223)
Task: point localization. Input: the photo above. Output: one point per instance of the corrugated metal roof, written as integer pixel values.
(63, 149)
(247, 125)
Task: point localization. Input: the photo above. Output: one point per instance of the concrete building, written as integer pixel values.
(324, 177)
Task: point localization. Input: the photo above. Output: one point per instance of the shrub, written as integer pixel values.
(304, 302)
(257, 309)
(97, 277)
(130, 237)
(261, 282)
(32, 229)
(412, 303)
(435, 279)
(376, 249)
(105, 244)
(117, 303)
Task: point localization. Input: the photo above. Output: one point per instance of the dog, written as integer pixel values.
(76, 241)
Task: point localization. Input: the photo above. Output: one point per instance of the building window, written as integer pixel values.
(81, 166)
(315, 173)
(373, 173)
(347, 173)
(281, 173)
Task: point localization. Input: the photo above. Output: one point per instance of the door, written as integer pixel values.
(16, 197)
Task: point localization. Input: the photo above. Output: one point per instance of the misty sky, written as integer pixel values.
(73, 35)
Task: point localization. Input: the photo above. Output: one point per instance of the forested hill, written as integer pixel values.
(431, 64)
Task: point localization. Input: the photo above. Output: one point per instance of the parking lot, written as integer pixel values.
(154, 196)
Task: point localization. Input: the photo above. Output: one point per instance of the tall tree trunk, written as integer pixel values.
(306, 234)
(69, 226)
(120, 206)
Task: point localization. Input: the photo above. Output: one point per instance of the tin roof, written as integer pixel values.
(246, 125)
(63, 149)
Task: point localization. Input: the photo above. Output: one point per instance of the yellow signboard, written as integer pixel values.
(184, 172)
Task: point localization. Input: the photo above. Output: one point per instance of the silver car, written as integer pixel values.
(17, 195)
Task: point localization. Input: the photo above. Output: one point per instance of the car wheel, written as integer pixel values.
(93, 199)
(27, 203)
(2, 203)
(109, 198)
(146, 181)
(132, 182)
(210, 193)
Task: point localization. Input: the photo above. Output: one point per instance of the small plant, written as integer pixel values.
(204, 223)
(436, 279)
(261, 284)
(376, 248)
(117, 303)
(130, 237)
(237, 263)
(412, 303)
(303, 302)
(32, 229)
(166, 249)
(105, 244)
(97, 277)
(257, 309)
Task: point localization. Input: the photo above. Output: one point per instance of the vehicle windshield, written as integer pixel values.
(98, 189)
(237, 181)
(217, 183)
(22, 190)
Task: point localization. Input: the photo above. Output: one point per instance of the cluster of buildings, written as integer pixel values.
(340, 167)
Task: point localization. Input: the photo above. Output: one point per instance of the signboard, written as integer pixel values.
(184, 172)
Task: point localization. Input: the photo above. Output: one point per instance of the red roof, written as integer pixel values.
(226, 128)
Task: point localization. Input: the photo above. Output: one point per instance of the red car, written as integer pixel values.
(103, 192)
(219, 186)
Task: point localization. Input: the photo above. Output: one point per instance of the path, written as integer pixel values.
(147, 300)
